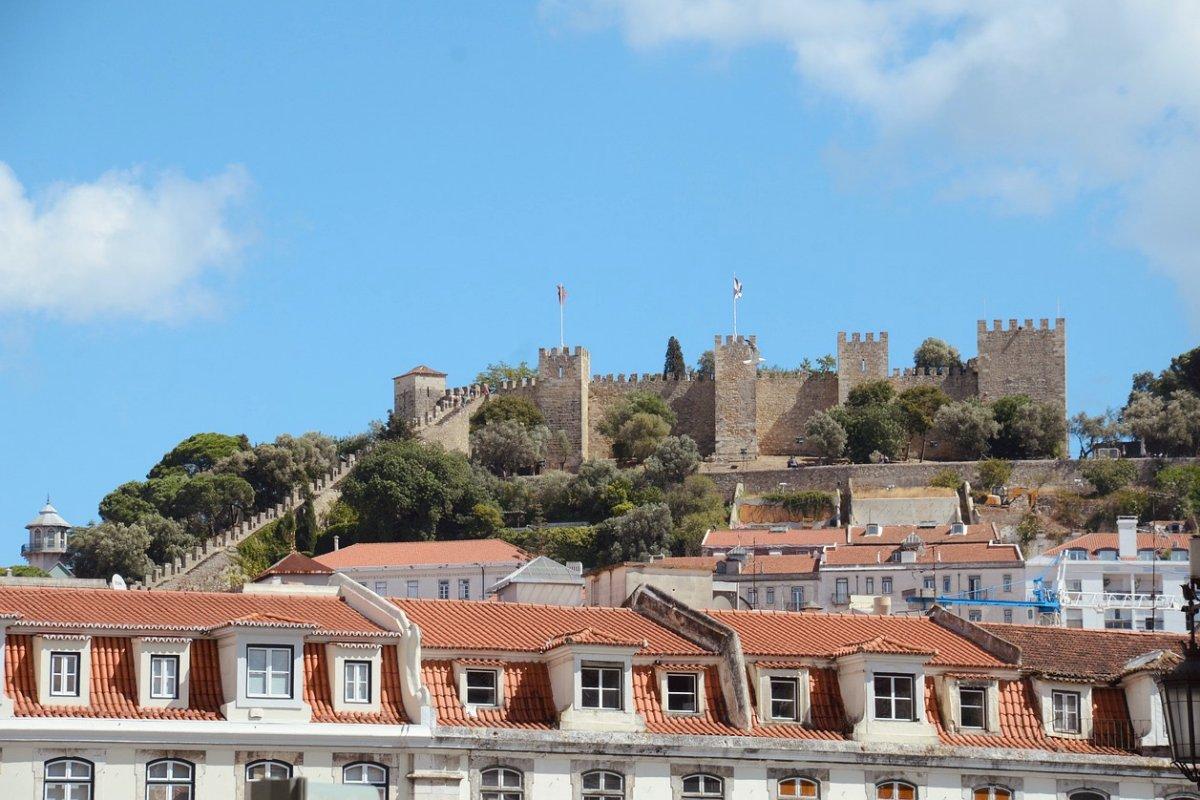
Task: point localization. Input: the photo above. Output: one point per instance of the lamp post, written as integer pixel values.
(1180, 688)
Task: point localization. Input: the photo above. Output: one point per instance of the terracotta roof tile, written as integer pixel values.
(396, 554)
(761, 537)
(50, 607)
(528, 698)
(964, 553)
(937, 534)
(1108, 541)
(815, 635)
(521, 627)
(318, 695)
(883, 645)
(591, 636)
(1088, 654)
(754, 564)
(295, 564)
(421, 369)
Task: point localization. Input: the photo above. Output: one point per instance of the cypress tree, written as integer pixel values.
(674, 366)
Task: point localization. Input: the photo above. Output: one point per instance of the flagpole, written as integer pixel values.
(561, 337)
(735, 314)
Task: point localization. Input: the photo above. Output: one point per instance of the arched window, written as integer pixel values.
(895, 790)
(501, 783)
(169, 779)
(992, 793)
(1087, 794)
(367, 773)
(268, 770)
(68, 779)
(601, 784)
(703, 786)
(797, 787)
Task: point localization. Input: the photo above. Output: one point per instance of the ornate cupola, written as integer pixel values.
(48, 535)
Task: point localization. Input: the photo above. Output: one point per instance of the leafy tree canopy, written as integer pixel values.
(872, 428)
(640, 436)
(969, 425)
(871, 393)
(110, 548)
(826, 435)
(936, 354)
(634, 536)
(502, 371)
(994, 473)
(507, 447)
(706, 365)
(1109, 474)
(1027, 429)
(505, 407)
(673, 460)
(198, 453)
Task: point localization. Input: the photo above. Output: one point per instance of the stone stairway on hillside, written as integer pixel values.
(449, 424)
(204, 567)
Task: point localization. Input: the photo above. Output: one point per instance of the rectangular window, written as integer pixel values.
(886, 585)
(381, 587)
(164, 677)
(356, 677)
(601, 687)
(972, 704)
(770, 597)
(752, 596)
(464, 588)
(1066, 712)
(269, 672)
(870, 585)
(683, 692)
(894, 697)
(482, 685)
(945, 584)
(1006, 583)
(411, 589)
(64, 674)
(929, 583)
(974, 586)
(784, 694)
(841, 590)
(797, 598)
(443, 590)
(974, 615)
(1008, 615)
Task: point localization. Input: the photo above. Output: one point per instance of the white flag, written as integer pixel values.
(737, 288)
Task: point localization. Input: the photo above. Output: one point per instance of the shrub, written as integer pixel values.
(994, 473)
(562, 544)
(808, 504)
(1109, 475)
(946, 479)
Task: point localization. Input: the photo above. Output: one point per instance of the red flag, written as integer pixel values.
(562, 294)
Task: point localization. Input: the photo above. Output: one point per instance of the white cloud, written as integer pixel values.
(121, 246)
(1029, 104)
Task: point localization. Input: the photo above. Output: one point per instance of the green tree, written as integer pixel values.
(806, 365)
(588, 494)
(675, 458)
(212, 502)
(198, 453)
(946, 479)
(1183, 374)
(872, 429)
(636, 535)
(26, 571)
(394, 429)
(871, 393)
(825, 435)
(274, 469)
(969, 425)
(1108, 475)
(1090, 431)
(110, 548)
(918, 406)
(827, 363)
(497, 373)
(505, 407)
(1180, 485)
(126, 504)
(168, 539)
(638, 402)
(674, 366)
(508, 447)
(1027, 429)
(403, 491)
(639, 436)
(560, 543)
(706, 365)
(936, 354)
(994, 473)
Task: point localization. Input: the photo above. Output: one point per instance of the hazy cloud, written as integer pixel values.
(125, 245)
(1027, 104)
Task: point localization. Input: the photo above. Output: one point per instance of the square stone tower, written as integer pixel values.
(1023, 359)
(416, 392)
(562, 396)
(736, 362)
(861, 358)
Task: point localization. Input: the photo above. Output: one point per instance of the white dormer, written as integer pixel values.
(64, 669)
(873, 529)
(784, 694)
(591, 674)
(355, 673)
(163, 667)
(481, 685)
(969, 704)
(682, 689)
(882, 683)
(262, 669)
(1066, 708)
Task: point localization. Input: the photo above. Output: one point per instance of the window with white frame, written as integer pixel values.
(885, 585)
(1007, 583)
(381, 587)
(752, 596)
(797, 598)
(68, 779)
(601, 686)
(895, 790)
(683, 692)
(841, 590)
(64, 674)
(870, 586)
(929, 582)
(991, 792)
(443, 589)
(501, 783)
(268, 770)
(703, 786)
(972, 707)
(367, 773)
(785, 696)
(412, 588)
(170, 779)
(894, 697)
(1066, 712)
(164, 677)
(356, 681)
(797, 787)
(770, 596)
(269, 671)
(483, 687)
(464, 588)
(602, 784)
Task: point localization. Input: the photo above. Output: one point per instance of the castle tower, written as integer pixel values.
(736, 362)
(1023, 359)
(48, 536)
(861, 358)
(417, 392)
(562, 397)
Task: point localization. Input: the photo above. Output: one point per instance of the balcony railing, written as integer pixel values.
(1118, 733)
(1157, 602)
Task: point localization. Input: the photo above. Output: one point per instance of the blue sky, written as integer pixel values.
(249, 217)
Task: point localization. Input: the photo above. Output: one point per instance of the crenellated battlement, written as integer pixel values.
(645, 377)
(1012, 326)
(855, 337)
(934, 372)
(731, 340)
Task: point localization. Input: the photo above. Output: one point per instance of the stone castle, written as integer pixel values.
(740, 413)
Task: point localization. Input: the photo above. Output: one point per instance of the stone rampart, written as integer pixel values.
(691, 398)
(958, 383)
(785, 402)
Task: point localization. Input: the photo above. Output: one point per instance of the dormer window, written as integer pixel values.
(785, 695)
(356, 681)
(972, 704)
(164, 677)
(894, 697)
(601, 686)
(1106, 554)
(483, 687)
(683, 692)
(64, 674)
(1077, 554)
(1066, 712)
(269, 672)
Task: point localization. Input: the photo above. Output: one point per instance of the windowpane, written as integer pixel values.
(501, 783)
(64, 674)
(1066, 712)
(894, 697)
(481, 687)
(269, 672)
(256, 658)
(702, 786)
(602, 785)
(68, 779)
(601, 687)
(895, 790)
(357, 681)
(973, 707)
(783, 698)
(797, 787)
(164, 676)
(268, 770)
(682, 693)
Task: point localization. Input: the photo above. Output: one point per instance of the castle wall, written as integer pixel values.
(1022, 359)
(693, 401)
(736, 423)
(959, 384)
(785, 402)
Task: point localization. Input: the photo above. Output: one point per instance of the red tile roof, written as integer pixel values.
(966, 553)
(520, 627)
(761, 537)
(591, 636)
(895, 534)
(421, 369)
(319, 696)
(1086, 654)
(757, 565)
(815, 635)
(528, 698)
(883, 645)
(295, 564)
(113, 683)
(49, 607)
(1108, 541)
(400, 554)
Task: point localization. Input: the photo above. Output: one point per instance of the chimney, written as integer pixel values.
(883, 605)
(1127, 537)
(337, 542)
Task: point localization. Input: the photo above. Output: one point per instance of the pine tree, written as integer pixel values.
(675, 365)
